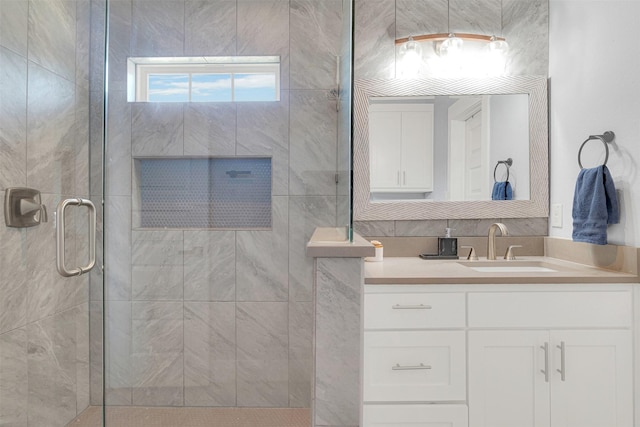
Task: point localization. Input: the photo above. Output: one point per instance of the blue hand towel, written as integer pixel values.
(502, 191)
(595, 205)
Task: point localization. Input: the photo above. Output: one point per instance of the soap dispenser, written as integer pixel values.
(447, 245)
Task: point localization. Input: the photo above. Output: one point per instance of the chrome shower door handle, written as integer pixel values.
(60, 237)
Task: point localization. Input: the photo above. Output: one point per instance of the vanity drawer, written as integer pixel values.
(612, 309)
(414, 310)
(414, 366)
(415, 415)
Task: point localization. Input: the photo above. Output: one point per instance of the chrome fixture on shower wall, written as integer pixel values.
(23, 207)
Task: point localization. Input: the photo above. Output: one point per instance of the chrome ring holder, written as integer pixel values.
(507, 164)
(606, 138)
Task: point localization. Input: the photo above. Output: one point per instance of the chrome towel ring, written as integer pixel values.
(606, 138)
(507, 164)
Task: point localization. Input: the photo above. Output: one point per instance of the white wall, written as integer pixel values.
(509, 136)
(594, 67)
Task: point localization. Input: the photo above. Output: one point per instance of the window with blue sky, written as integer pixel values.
(217, 79)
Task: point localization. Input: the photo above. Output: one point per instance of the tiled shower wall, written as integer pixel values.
(220, 318)
(44, 144)
(524, 23)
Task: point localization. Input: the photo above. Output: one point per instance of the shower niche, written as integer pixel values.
(202, 193)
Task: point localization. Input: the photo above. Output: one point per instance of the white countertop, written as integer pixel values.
(415, 270)
(330, 242)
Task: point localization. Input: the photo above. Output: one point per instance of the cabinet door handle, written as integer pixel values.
(411, 307)
(545, 371)
(404, 177)
(410, 368)
(563, 366)
(398, 178)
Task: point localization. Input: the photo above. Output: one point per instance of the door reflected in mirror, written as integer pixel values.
(449, 147)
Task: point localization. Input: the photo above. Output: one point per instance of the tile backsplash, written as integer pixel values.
(460, 227)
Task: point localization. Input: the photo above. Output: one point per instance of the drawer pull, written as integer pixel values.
(411, 307)
(409, 368)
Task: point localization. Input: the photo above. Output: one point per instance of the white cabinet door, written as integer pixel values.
(385, 147)
(417, 150)
(507, 385)
(401, 147)
(597, 389)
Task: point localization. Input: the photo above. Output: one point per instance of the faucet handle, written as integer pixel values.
(509, 254)
(472, 253)
(43, 214)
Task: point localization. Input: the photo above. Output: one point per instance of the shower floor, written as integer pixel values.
(131, 416)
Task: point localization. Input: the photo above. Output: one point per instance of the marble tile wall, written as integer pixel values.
(378, 23)
(44, 144)
(339, 283)
(220, 317)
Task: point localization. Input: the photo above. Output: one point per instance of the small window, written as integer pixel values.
(204, 79)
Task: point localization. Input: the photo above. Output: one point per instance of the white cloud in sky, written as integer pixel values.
(202, 84)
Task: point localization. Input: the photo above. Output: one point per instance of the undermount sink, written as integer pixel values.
(509, 266)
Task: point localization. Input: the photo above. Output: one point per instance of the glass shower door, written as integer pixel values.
(209, 205)
(50, 141)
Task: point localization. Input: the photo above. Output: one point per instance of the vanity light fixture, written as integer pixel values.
(450, 47)
(446, 43)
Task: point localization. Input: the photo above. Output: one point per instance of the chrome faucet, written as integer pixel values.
(491, 243)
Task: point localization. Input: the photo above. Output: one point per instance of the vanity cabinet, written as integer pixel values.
(401, 147)
(498, 355)
(414, 359)
(542, 374)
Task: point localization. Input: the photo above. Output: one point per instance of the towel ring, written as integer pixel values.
(606, 138)
(507, 164)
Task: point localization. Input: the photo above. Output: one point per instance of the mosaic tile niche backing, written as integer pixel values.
(227, 193)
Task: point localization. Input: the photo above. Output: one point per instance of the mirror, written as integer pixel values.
(428, 148)
(468, 147)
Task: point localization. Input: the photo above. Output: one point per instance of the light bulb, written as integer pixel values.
(497, 57)
(411, 54)
(496, 46)
(452, 46)
(411, 46)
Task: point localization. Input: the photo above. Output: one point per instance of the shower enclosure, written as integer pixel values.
(204, 305)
